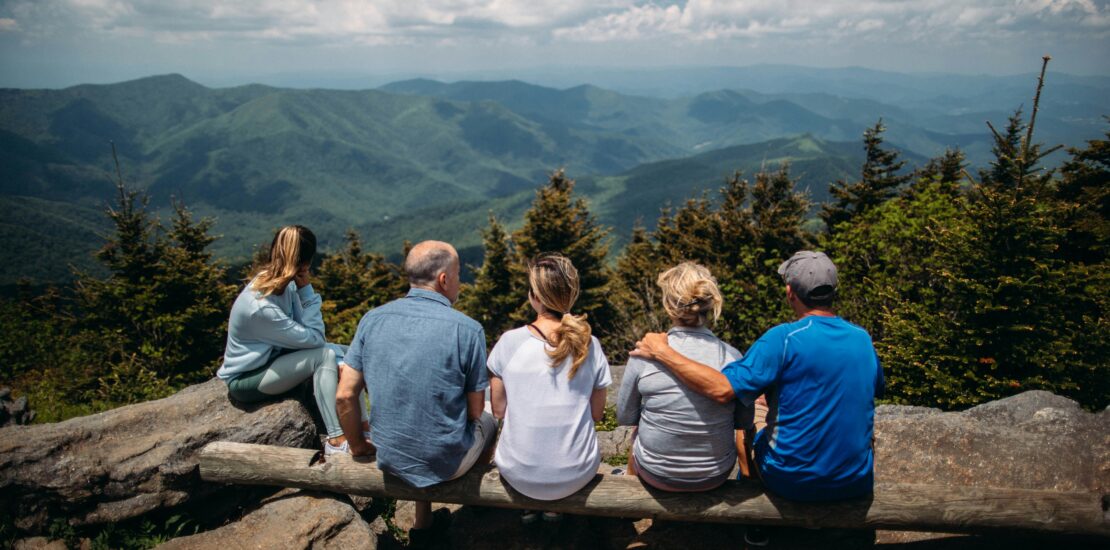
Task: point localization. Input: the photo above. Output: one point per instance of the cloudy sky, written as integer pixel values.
(51, 43)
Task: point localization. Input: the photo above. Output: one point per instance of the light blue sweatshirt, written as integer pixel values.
(261, 327)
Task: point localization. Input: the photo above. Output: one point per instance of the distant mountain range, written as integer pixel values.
(419, 158)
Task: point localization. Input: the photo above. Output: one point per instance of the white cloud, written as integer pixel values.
(339, 21)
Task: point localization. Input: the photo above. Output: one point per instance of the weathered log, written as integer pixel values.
(898, 506)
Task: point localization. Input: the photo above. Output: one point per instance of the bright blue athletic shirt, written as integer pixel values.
(821, 376)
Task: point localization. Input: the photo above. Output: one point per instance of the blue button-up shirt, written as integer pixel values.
(419, 358)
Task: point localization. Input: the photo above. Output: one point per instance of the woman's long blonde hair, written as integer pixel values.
(293, 246)
(690, 294)
(553, 282)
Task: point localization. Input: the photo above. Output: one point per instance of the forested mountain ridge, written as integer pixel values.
(413, 160)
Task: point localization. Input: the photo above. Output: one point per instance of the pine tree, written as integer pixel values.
(157, 322)
(1085, 192)
(493, 297)
(559, 222)
(352, 282)
(947, 169)
(879, 181)
(741, 239)
(1007, 313)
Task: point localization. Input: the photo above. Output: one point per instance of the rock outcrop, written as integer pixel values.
(1034, 440)
(14, 411)
(122, 463)
(289, 519)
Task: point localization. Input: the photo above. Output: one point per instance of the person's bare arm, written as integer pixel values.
(497, 397)
(349, 392)
(475, 404)
(696, 376)
(597, 404)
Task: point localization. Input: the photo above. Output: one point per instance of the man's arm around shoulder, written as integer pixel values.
(701, 378)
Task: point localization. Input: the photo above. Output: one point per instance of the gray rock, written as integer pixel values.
(616, 372)
(14, 412)
(39, 543)
(1034, 440)
(289, 519)
(136, 459)
(615, 443)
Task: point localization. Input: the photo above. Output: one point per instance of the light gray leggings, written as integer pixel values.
(288, 370)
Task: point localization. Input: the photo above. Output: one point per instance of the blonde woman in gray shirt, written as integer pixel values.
(683, 441)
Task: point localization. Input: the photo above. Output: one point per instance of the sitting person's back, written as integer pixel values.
(684, 441)
(823, 378)
(423, 362)
(549, 386)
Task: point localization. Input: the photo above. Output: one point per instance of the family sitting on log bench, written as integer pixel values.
(803, 395)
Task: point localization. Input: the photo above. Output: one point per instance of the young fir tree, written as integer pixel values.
(947, 169)
(1084, 190)
(636, 295)
(559, 222)
(158, 321)
(742, 239)
(879, 181)
(1010, 315)
(772, 232)
(352, 282)
(885, 253)
(493, 297)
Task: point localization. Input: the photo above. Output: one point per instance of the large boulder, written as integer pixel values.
(136, 459)
(1034, 440)
(290, 519)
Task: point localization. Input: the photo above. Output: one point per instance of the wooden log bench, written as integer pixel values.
(892, 506)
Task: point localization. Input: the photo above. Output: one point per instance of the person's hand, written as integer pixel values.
(651, 346)
(360, 447)
(301, 278)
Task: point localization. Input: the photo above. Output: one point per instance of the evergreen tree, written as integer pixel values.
(879, 181)
(947, 169)
(352, 282)
(741, 239)
(1008, 314)
(493, 297)
(1084, 191)
(636, 296)
(559, 222)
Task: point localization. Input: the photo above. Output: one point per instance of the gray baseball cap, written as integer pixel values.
(811, 274)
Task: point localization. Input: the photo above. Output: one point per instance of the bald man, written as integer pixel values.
(424, 365)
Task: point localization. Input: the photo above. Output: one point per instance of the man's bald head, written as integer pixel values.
(427, 260)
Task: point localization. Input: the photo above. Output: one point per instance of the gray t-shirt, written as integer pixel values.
(682, 435)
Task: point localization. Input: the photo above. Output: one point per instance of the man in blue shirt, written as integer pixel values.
(821, 376)
(424, 364)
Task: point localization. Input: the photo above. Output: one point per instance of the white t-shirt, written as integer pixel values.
(548, 447)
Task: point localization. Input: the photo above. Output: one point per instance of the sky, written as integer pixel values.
(57, 43)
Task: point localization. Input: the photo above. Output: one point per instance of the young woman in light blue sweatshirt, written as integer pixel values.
(275, 336)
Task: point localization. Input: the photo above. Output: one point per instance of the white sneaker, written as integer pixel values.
(342, 448)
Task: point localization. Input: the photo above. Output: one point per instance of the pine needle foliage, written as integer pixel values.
(879, 181)
(493, 297)
(353, 281)
(559, 222)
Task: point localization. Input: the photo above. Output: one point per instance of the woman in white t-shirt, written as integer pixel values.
(548, 383)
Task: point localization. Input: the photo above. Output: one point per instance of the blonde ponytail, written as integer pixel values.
(292, 247)
(553, 281)
(572, 339)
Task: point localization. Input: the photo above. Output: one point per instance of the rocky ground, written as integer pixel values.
(139, 461)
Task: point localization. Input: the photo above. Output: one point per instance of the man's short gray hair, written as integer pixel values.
(425, 263)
